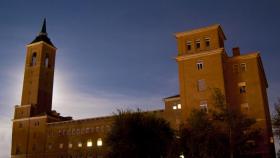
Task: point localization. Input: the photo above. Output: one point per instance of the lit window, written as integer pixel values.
(197, 44)
(80, 144)
(243, 67)
(207, 42)
(70, 145)
(242, 87)
(203, 106)
(181, 156)
(245, 107)
(174, 107)
(235, 68)
(271, 140)
(89, 143)
(199, 65)
(61, 145)
(201, 85)
(99, 142)
(189, 45)
(179, 106)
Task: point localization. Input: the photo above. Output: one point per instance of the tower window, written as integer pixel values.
(33, 59)
(243, 67)
(207, 42)
(199, 65)
(197, 44)
(201, 85)
(189, 45)
(242, 87)
(47, 61)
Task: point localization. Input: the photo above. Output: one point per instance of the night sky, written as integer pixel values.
(120, 53)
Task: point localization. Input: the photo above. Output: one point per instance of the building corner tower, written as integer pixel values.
(31, 116)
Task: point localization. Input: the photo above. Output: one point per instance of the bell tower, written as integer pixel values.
(39, 73)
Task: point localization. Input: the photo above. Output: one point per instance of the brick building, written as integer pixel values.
(39, 131)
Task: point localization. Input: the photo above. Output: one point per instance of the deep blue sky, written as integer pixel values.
(119, 53)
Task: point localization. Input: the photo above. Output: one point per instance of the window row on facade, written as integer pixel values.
(79, 131)
(89, 144)
(197, 45)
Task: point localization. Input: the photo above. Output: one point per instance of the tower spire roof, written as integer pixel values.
(44, 28)
(43, 35)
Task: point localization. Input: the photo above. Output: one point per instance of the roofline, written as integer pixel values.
(190, 32)
(31, 44)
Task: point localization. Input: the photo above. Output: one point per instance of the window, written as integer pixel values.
(197, 44)
(245, 107)
(203, 106)
(235, 68)
(99, 142)
(199, 65)
(50, 146)
(207, 42)
(33, 59)
(70, 145)
(89, 143)
(179, 106)
(80, 144)
(61, 145)
(243, 67)
(47, 61)
(189, 45)
(201, 85)
(242, 87)
(17, 150)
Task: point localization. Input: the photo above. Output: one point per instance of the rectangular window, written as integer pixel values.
(61, 145)
(197, 44)
(203, 106)
(235, 68)
(99, 142)
(70, 145)
(245, 107)
(243, 67)
(199, 65)
(201, 85)
(207, 42)
(89, 143)
(80, 144)
(242, 87)
(189, 45)
(177, 106)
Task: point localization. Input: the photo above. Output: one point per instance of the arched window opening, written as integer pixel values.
(47, 61)
(33, 60)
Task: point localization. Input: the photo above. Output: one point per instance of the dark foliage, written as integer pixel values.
(139, 135)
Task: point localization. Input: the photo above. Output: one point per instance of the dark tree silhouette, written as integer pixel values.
(139, 135)
(221, 132)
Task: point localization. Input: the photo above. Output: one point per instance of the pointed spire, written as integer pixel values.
(44, 28)
(43, 35)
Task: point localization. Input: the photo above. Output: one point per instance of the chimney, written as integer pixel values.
(236, 51)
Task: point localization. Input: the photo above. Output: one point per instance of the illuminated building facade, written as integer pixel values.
(38, 131)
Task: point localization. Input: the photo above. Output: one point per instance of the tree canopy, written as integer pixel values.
(139, 135)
